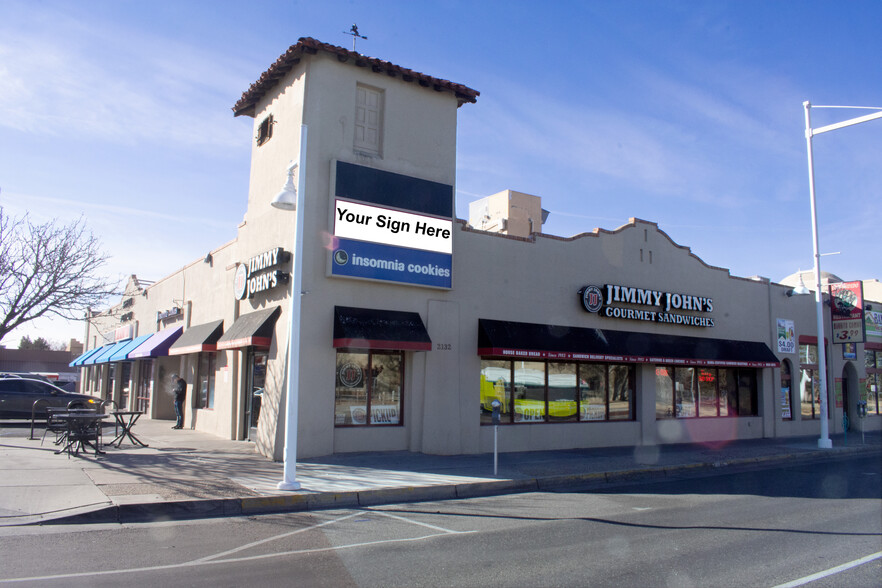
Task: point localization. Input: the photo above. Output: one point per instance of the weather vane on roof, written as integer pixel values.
(354, 32)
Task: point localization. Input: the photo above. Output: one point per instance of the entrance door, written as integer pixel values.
(144, 384)
(845, 404)
(125, 385)
(256, 370)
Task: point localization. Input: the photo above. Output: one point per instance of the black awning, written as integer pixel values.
(252, 329)
(198, 338)
(526, 340)
(367, 328)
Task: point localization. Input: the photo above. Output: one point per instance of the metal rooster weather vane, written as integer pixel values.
(355, 36)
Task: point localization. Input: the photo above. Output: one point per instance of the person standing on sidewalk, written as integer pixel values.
(180, 392)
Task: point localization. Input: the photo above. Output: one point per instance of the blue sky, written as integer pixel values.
(688, 114)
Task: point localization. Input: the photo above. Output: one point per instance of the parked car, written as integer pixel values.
(17, 397)
(28, 375)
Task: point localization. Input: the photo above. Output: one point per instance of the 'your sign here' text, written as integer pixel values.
(392, 227)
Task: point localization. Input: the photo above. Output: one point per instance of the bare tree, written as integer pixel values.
(49, 269)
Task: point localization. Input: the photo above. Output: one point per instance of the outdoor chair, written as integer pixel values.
(55, 425)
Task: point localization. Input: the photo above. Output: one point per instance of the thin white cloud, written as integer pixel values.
(64, 76)
(62, 207)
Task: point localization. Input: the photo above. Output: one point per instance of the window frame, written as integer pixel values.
(813, 369)
(725, 392)
(200, 402)
(874, 377)
(788, 394)
(265, 130)
(362, 146)
(368, 387)
(509, 411)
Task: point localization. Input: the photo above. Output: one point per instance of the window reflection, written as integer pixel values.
(368, 388)
(555, 392)
(529, 391)
(562, 391)
(593, 392)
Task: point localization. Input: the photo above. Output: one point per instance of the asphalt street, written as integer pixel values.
(812, 524)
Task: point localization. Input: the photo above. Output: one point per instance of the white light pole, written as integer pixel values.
(291, 198)
(824, 442)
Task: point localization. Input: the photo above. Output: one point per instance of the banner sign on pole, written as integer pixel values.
(847, 309)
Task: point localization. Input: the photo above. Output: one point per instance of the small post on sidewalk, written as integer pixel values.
(862, 413)
(495, 404)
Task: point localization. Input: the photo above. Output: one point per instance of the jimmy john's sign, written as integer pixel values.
(640, 304)
(261, 273)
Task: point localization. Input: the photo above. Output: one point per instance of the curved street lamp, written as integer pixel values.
(824, 442)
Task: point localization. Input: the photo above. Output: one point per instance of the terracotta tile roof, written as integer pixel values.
(309, 46)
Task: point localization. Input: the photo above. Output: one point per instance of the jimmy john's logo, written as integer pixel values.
(350, 375)
(616, 301)
(260, 273)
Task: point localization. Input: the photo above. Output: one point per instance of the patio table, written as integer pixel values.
(126, 419)
(83, 430)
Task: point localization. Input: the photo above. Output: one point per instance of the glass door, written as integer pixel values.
(256, 371)
(125, 385)
(143, 390)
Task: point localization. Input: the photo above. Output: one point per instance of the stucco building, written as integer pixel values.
(413, 322)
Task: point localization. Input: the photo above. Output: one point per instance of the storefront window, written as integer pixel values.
(786, 380)
(808, 354)
(529, 391)
(204, 397)
(368, 389)
(621, 392)
(747, 394)
(687, 392)
(556, 392)
(664, 392)
(873, 389)
(809, 383)
(562, 392)
(593, 392)
(707, 393)
(495, 385)
(809, 393)
(385, 389)
(728, 394)
(684, 392)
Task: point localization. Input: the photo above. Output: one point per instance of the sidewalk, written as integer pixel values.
(190, 474)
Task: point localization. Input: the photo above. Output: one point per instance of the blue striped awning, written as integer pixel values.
(122, 353)
(81, 359)
(104, 356)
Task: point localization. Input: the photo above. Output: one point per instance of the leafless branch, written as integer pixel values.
(49, 269)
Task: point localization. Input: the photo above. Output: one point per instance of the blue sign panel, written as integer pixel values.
(359, 259)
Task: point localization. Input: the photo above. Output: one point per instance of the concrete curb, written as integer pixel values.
(254, 505)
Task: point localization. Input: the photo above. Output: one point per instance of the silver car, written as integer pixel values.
(17, 397)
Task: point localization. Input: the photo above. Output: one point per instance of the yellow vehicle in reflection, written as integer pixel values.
(525, 409)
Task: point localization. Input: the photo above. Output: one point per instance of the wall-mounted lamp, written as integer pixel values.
(800, 290)
(208, 259)
(287, 198)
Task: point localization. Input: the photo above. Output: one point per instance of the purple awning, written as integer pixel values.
(158, 344)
